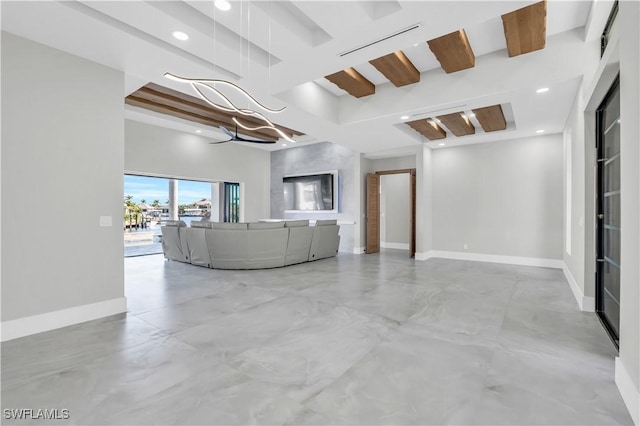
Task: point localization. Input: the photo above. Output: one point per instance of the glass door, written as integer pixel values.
(608, 212)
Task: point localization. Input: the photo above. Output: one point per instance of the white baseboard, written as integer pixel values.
(27, 326)
(397, 246)
(359, 250)
(423, 255)
(629, 392)
(586, 303)
(492, 258)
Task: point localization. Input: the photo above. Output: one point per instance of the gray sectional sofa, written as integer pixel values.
(250, 245)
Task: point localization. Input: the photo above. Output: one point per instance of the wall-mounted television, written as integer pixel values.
(311, 193)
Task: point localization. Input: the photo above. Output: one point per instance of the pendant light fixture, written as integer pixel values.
(212, 91)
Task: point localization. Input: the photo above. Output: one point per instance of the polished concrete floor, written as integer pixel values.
(353, 340)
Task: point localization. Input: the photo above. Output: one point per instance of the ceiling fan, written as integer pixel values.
(236, 138)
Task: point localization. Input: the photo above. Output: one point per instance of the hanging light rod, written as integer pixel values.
(209, 85)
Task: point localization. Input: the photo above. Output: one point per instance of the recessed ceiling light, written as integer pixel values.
(198, 131)
(284, 144)
(539, 131)
(415, 44)
(441, 144)
(542, 90)
(180, 35)
(222, 5)
(404, 117)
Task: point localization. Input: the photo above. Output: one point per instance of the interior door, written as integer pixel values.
(608, 213)
(373, 213)
(412, 213)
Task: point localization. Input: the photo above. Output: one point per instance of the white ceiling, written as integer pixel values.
(280, 50)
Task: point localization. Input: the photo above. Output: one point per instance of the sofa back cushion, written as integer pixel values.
(178, 223)
(326, 222)
(201, 224)
(266, 225)
(296, 223)
(228, 226)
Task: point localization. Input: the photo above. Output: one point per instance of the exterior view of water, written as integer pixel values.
(144, 241)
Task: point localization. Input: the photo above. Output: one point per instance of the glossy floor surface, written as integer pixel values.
(372, 339)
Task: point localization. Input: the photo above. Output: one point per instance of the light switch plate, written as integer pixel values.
(106, 221)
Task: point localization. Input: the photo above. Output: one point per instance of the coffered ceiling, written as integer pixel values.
(473, 65)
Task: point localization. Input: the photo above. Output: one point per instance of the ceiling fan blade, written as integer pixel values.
(241, 139)
(227, 131)
(236, 138)
(265, 142)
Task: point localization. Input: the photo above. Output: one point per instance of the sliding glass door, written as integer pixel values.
(231, 202)
(608, 212)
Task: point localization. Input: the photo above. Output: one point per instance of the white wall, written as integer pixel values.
(623, 56)
(502, 198)
(629, 17)
(394, 163)
(575, 151)
(424, 202)
(157, 151)
(394, 211)
(62, 168)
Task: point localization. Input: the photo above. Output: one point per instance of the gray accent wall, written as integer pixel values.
(62, 169)
(500, 198)
(314, 158)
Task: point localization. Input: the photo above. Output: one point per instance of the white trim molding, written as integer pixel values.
(27, 326)
(629, 392)
(586, 303)
(492, 258)
(423, 255)
(397, 246)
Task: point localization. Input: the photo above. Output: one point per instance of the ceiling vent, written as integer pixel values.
(372, 43)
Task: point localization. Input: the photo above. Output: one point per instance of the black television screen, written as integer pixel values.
(309, 193)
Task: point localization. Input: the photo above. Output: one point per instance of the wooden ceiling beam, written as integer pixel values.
(458, 123)
(171, 102)
(525, 30)
(196, 118)
(352, 82)
(428, 128)
(491, 118)
(397, 68)
(453, 51)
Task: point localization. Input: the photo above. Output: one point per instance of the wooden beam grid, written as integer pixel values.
(525, 29)
(397, 68)
(491, 118)
(428, 128)
(453, 51)
(352, 82)
(458, 123)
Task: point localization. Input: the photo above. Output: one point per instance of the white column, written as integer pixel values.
(173, 199)
(215, 202)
